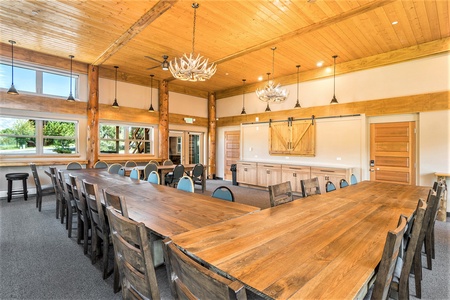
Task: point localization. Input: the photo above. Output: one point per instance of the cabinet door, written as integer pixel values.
(303, 138)
(246, 173)
(268, 174)
(329, 174)
(294, 174)
(279, 138)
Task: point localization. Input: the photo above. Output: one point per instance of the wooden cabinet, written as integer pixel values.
(268, 174)
(330, 174)
(292, 138)
(294, 174)
(246, 173)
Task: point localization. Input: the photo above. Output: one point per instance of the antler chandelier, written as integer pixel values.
(191, 68)
(272, 92)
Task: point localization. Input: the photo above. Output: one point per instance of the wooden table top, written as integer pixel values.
(164, 210)
(321, 247)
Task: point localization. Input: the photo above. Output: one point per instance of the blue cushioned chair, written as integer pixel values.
(153, 177)
(343, 183)
(224, 193)
(134, 174)
(329, 186)
(186, 184)
(353, 179)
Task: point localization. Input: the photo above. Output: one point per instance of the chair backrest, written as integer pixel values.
(343, 183)
(74, 166)
(224, 193)
(154, 162)
(101, 165)
(388, 260)
(114, 168)
(130, 164)
(121, 171)
(353, 179)
(116, 201)
(190, 280)
(167, 162)
(178, 172)
(134, 174)
(54, 180)
(37, 182)
(62, 186)
(197, 171)
(280, 193)
(186, 184)
(153, 177)
(415, 242)
(133, 255)
(95, 207)
(310, 186)
(149, 168)
(329, 187)
(77, 194)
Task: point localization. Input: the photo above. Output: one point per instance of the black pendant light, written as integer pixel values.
(267, 108)
(71, 98)
(12, 90)
(334, 100)
(297, 105)
(243, 98)
(115, 104)
(151, 94)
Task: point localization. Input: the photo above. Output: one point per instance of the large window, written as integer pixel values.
(23, 136)
(126, 139)
(34, 80)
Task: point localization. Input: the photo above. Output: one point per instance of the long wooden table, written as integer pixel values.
(320, 247)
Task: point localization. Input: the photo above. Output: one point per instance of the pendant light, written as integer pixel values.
(334, 100)
(115, 104)
(151, 94)
(71, 98)
(297, 105)
(267, 108)
(243, 98)
(12, 90)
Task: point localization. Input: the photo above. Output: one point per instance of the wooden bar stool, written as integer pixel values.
(17, 176)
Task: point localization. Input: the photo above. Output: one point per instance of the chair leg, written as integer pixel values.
(69, 222)
(105, 257)
(432, 243)
(417, 265)
(428, 252)
(116, 276)
(94, 246)
(57, 207)
(61, 211)
(80, 228)
(39, 201)
(86, 237)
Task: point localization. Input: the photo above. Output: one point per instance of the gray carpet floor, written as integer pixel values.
(39, 261)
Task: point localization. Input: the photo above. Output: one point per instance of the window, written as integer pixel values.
(126, 139)
(23, 136)
(39, 81)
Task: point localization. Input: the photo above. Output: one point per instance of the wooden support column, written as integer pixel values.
(164, 120)
(93, 142)
(212, 135)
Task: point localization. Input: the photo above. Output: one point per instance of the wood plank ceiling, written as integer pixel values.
(237, 35)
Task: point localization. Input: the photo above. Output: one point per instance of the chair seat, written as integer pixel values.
(17, 176)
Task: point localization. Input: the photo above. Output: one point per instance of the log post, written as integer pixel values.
(93, 142)
(212, 135)
(164, 120)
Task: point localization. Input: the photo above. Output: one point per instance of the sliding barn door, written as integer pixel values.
(393, 152)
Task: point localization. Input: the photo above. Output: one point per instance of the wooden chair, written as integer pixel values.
(58, 196)
(39, 190)
(185, 183)
(400, 282)
(101, 165)
(172, 179)
(343, 183)
(196, 174)
(120, 205)
(388, 260)
(329, 187)
(310, 186)
(190, 280)
(133, 256)
(134, 174)
(74, 166)
(84, 222)
(224, 193)
(167, 162)
(130, 164)
(153, 177)
(70, 206)
(280, 193)
(429, 237)
(114, 168)
(116, 201)
(99, 227)
(149, 168)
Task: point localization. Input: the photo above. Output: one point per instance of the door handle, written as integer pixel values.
(372, 170)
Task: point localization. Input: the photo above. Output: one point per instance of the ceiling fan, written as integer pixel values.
(164, 63)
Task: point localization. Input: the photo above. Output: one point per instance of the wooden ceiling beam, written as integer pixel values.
(155, 12)
(325, 23)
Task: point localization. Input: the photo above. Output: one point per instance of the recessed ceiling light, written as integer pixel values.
(328, 70)
(319, 64)
(260, 78)
(395, 23)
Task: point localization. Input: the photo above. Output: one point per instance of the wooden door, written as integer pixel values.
(232, 151)
(393, 152)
